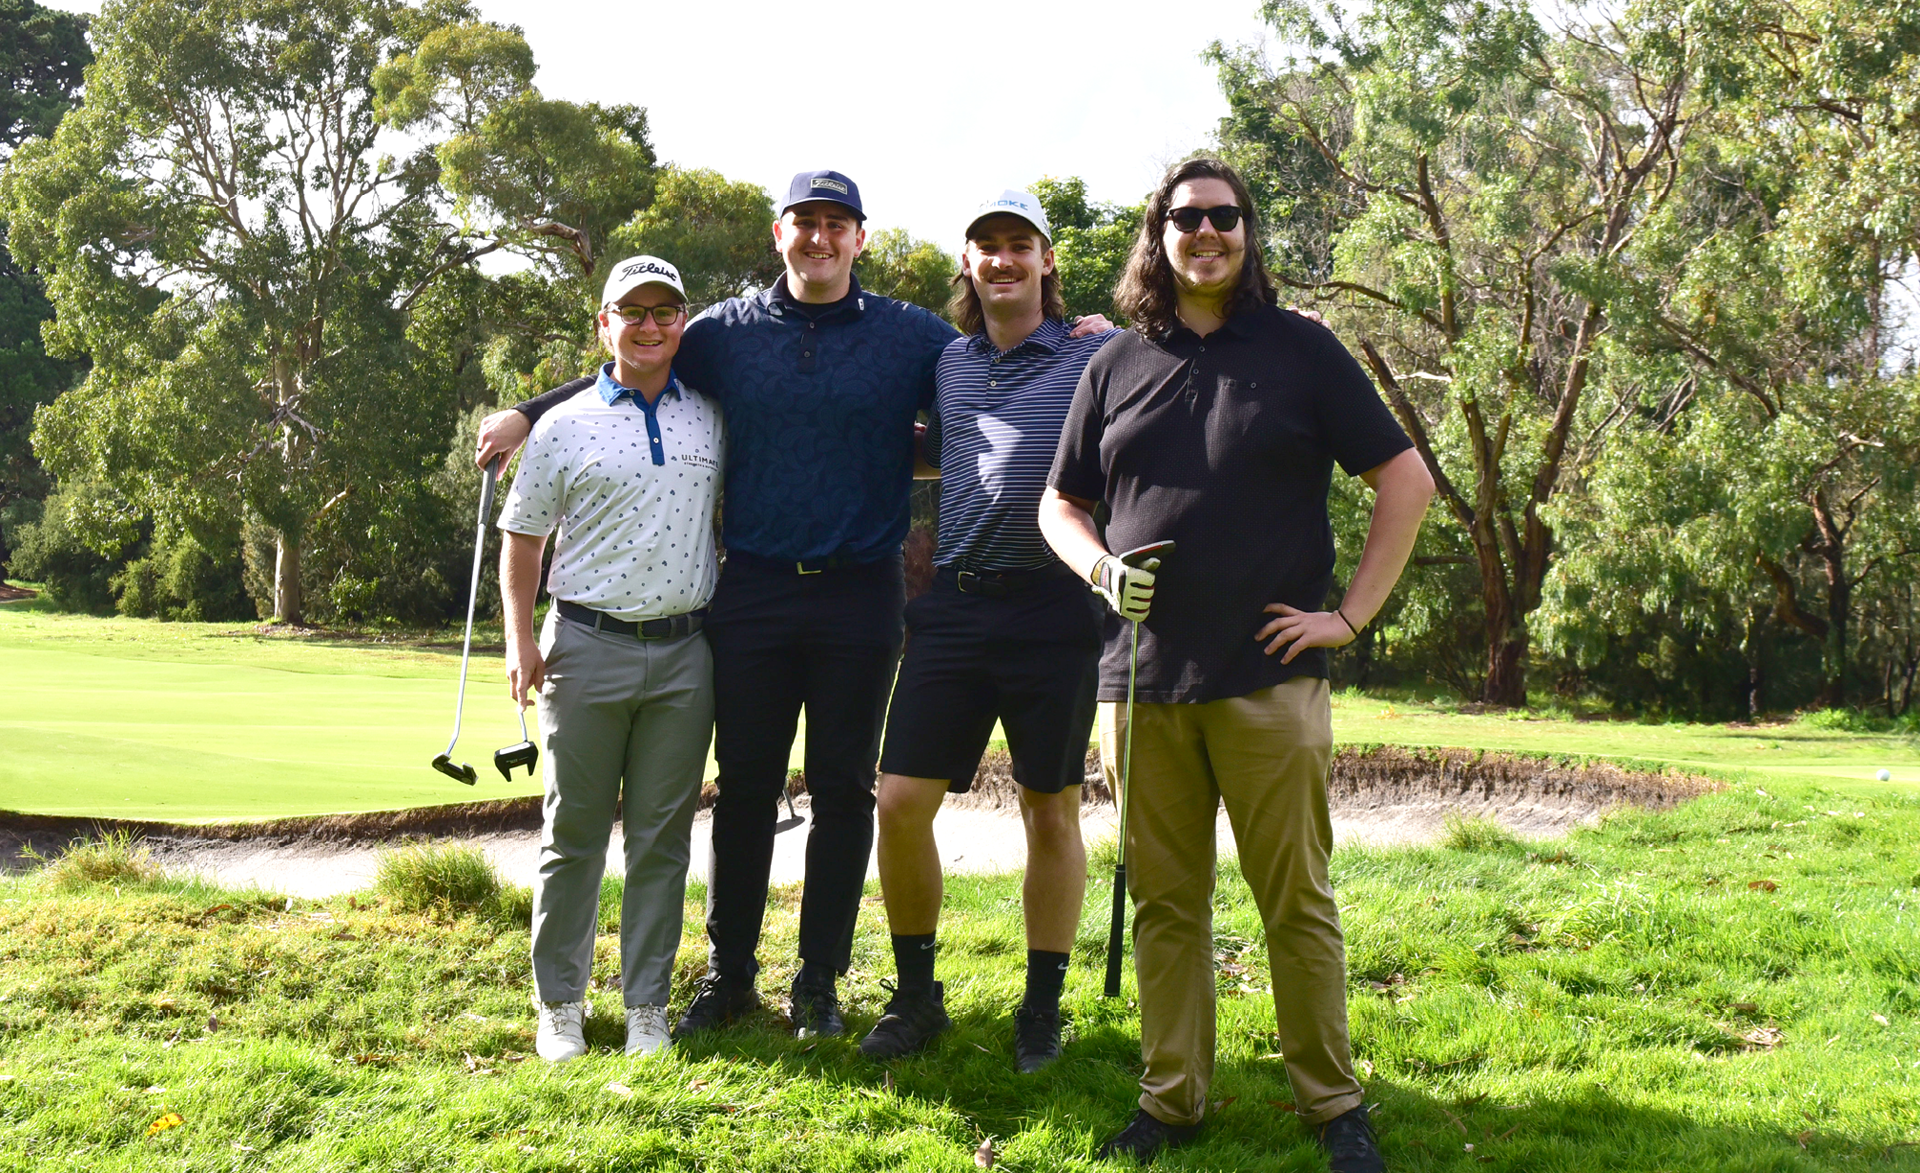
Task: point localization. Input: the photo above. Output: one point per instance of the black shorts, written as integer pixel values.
(1030, 660)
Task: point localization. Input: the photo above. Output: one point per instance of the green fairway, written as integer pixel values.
(190, 722)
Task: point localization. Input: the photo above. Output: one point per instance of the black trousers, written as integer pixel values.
(782, 640)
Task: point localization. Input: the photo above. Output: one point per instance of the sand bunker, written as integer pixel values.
(1380, 796)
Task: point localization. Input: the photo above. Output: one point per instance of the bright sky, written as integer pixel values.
(929, 107)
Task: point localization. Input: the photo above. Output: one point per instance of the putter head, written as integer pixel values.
(463, 772)
(523, 754)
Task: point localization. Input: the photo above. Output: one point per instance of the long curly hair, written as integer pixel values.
(1146, 293)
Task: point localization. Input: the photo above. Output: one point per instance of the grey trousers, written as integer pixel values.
(625, 720)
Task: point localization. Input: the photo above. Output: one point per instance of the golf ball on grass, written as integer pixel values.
(1885, 775)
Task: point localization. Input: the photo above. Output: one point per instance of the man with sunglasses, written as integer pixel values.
(628, 471)
(1215, 423)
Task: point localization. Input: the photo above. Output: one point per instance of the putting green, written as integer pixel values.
(196, 722)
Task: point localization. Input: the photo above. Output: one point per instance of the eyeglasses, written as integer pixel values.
(1187, 219)
(633, 315)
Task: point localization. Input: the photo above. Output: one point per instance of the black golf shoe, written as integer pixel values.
(814, 1009)
(1349, 1142)
(908, 1024)
(717, 1001)
(1036, 1037)
(1145, 1138)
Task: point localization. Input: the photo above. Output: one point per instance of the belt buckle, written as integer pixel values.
(966, 580)
(802, 568)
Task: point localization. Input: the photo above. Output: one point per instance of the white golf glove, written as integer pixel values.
(1127, 589)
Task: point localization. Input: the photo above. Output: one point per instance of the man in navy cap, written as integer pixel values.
(821, 382)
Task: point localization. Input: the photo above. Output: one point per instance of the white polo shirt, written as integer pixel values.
(632, 490)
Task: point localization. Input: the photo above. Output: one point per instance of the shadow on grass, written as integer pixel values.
(1068, 1110)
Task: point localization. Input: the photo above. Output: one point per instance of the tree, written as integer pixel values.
(895, 264)
(1488, 180)
(718, 233)
(1091, 242)
(43, 54)
(225, 236)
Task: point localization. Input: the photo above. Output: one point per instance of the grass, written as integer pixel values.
(190, 722)
(1732, 985)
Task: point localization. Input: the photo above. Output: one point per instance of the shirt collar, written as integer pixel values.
(1245, 323)
(610, 389)
(1051, 334)
(781, 300)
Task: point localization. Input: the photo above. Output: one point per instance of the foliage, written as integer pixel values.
(262, 266)
(716, 232)
(424, 877)
(112, 859)
(895, 264)
(42, 55)
(1091, 242)
(63, 549)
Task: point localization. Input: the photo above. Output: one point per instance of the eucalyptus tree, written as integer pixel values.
(241, 218)
(1478, 183)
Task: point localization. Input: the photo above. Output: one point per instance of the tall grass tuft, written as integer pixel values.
(1475, 833)
(114, 858)
(421, 877)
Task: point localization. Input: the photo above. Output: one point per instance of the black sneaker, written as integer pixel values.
(1144, 1139)
(814, 1009)
(909, 1023)
(1349, 1142)
(1036, 1037)
(716, 1002)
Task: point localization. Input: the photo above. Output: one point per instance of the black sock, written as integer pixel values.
(813, 973)
(913, 961)
(1046, 973)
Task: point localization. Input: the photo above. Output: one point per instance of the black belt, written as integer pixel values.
(671, 627)
(998, 584)
(801, 566)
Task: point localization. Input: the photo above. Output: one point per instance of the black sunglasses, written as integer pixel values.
(1187, 219)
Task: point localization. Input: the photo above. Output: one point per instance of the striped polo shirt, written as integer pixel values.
(996, 423)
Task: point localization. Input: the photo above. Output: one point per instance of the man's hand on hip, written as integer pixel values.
(526, 669)
(501, 434)
(1127, 589)
(1304, 629)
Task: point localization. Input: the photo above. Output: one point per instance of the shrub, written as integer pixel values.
(115, 858)
(422, 877)
(182, 580)
(62, 550)
(1475, 833)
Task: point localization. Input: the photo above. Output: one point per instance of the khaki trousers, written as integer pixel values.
(1265, 755)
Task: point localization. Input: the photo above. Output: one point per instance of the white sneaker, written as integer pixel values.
(647, 1030)
(561, 1036)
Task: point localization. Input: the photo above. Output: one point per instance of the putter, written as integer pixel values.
(793, 818)
(444, 763)
(1117, 933)
(524, 754)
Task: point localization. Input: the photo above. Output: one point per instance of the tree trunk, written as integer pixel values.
(287, 604)
(1506, 683)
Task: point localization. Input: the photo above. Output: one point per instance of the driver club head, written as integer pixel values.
(523, 754)
(463, 772)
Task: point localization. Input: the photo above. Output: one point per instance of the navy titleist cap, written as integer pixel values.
(823, 185)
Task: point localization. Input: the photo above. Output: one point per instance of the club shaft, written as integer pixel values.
(487, 478)
(1117, 933)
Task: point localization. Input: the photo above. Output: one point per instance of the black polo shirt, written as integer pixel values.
(1226, 445)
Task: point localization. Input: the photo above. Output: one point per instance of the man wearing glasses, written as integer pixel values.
(628, 470)
(1215, 423)
(821, 382)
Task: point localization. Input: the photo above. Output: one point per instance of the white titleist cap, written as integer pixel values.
(1013, 203)
(634, 272)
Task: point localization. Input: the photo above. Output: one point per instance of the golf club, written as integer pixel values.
(1147, 557)
(525, 753)
(793, 818)
(444, 762)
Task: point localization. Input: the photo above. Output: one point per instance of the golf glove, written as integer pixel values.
(1127, 589)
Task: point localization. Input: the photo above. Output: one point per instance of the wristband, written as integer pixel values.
(1347, 621)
